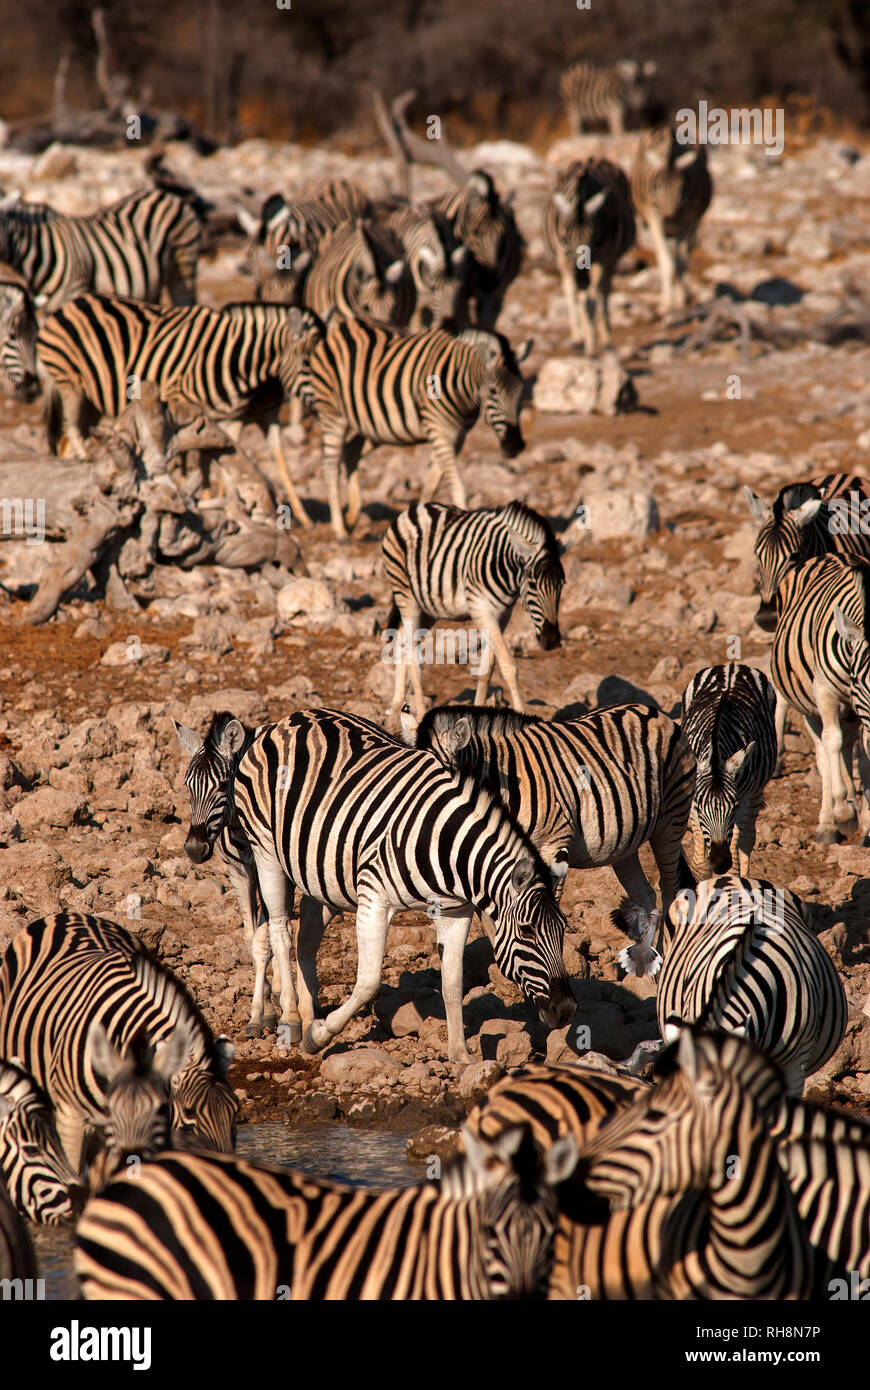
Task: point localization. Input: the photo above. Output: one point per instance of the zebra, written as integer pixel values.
(588, 225)
(18, 330)
(801, 524)
(302, 224)
(593, 93)
(34, 1169)
(587, 791)
(257, 1231)
(820, 666)
(701, 1206)
(671, 190)
(439, 263)
(728, 718)
(371, 384)
(137, 247)
(553, 1101)
(445, 563)
(95, 349)
(17, 1255)
(355, 819)
(742, 957)
(213, 761)
(361, 270)
(485, 223)
(76, 993)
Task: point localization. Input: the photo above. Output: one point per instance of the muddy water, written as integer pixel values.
(369, 1158)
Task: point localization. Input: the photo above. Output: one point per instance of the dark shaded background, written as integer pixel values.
(243, 67)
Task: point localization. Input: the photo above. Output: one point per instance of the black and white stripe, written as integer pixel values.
(671, 190)
(18, 330)
(445, 563)
(253, 1231)
(301, 224)
(141, 245)
(729, 720)
(371, 384)
(33, 1165)
(588, 226)
(355, 819)
(820, 666)
(554, 1101)
(439, 262)
(743, 958)
(604, 94)
(17, 1255)
(113, 1038)
(485, 223)
(587, 791)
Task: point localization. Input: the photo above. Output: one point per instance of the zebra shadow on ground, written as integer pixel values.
(847, 922)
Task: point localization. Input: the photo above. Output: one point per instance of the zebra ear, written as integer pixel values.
(563, 205)
(171, 1055)
(458, 257)
(521, 547)
(558, 867)
(249, 224)
(561, 1160)
(760, 510)
(846, 629)
(523, 350)
(523, 873)
(394, 272)
(686, 1054)
(10, 201)
(427, 257)
(807, 512)
(104, 1055)
(593, 204)
(479, 183)
(232, 737)
(225, 1052)
(736, 761)
(190, 742)
(408, 724)
(568, 538)
(460, 734)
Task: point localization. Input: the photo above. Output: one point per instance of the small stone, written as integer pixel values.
(477, 1078)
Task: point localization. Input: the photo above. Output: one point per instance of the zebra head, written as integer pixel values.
(137, 1081)
(787, 537)
(279, 276)
(501, 388)
(205, 1108)
(541, 583)
(18, 331)
(518, 1208)
(213, 761)
(858, 663)
(529, 936)
(717, 796)
(33, 1165)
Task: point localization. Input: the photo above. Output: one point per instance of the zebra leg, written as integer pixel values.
(635, 882)
(680, 259)
(667, 849)
(501, 652)
(864, 773)
(261, 954)
(442, 468)
(601, 290)
(71, 1132)
(452, 927)
(616, 119)
(277, 895)
(352, 450)
(483, 679)
(244, 883)
(334, 432)
(296, 507)
(314, 918)
(570, 291)
(826, 830)
(410, 618)
(747, 815)
(373, 917)
(780, 717)
(665, 263)
(842, 790)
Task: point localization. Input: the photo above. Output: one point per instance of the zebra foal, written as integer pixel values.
(606, 94)
(472, 566)
(729, 721)
(671, 190)
(254, 1231)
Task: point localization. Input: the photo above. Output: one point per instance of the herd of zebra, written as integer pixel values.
(713, 1179)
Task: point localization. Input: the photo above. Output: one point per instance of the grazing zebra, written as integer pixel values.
(592, 93)
(588, 226)
(587, 791)
(33, 1166)
(553, 1101)
(485, 223)
(702, 1207)
(226, 362)
(209, 777)
(743, 957)
(472, 566)
(141, 245)
(17, 1255)
(671, 190)
(439, 263)
(355, 819)
(101, 1024)
(255, 1231)
(801, 524)
(372, 384)
(18, 330)
(729, 721)
(820, 665)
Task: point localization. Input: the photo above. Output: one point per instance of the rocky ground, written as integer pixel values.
(92, 798)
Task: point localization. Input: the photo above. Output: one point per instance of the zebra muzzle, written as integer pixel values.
(512, 442)
(560, 1006)
(549, 637)
(765, 617)
(197, 848)
(720, 858)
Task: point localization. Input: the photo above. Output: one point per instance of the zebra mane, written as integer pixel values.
(216, 729)
(149, 971)
(725, 1053)
(534, 527)
(483, 719)
(790, 497)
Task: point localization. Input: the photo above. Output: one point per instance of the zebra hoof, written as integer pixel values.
(254, 1030)
(828, 837)
(316, 1038)
(290, 1033)
(848, 825)
(270, 1018)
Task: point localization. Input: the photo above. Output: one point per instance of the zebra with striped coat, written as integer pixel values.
(254, 1231)
(17, 1255)
(113, 1038)
(484, 222)
(445, 563)
(588, 226)
(34, 1169)
(554, 1101)
(18, 330)
(604, 94)
(729, 721)
(743, 957)
(300, 225)
(820, 665)
(439, 262)
(356, 820)
(143, 244)
(671, 190)
(587, 791)
(372, 384)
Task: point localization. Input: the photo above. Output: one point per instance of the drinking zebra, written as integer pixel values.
(113, 1038)
(820, 665)
(671, 190)
(254, 1231)
(18, 330)
(588, 226)
(33, 1166)
(729, 720)
(806, 521)
(485, 223)
(141, 245)
(372, 384)
(209, 779)
(471, 566)
(743, 957)
(604, 94)
(587, 791)
(355, 819)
